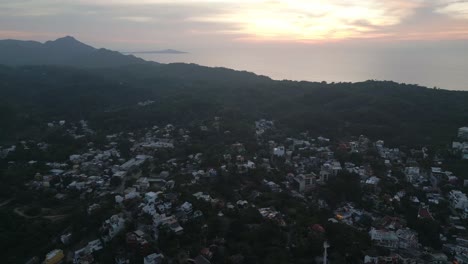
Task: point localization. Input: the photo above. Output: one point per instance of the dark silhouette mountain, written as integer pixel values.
(31, 96)
(63, 51)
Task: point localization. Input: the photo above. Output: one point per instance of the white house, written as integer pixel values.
(153, 259)
(384, 238)
(463, 132)
(407, 238)
(112, 227)
(412, 173)
(279, 151)
(458, 200)
(305, 182)
(187, 207)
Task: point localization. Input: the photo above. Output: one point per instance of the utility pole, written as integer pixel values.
(325, 253)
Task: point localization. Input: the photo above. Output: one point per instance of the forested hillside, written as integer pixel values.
(31, 96)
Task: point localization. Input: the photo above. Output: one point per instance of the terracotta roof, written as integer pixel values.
(425, 213)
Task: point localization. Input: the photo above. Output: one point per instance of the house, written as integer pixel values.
(93, 208)
(54, 257)
(305, 182)
(66, 238)
(272, 186)
(151, 197)
(263, 125)
(279, 151)
(134, 164)
(438, 258)
(131, 195)
(424, 213)
(137, 242)
(407, 238)
(465, 214)
(142, 184)
(463, 133)
(176, 228)
(328, 169)
(384, 238)
(112, 226)
(84, 255)
(148, 208)
(324, 175)
(169, 222)
(242, 203)
(458, 200)
(154, 259)
(437, 173)
(350, 215)
(187, 207)
(202, 196)
(412, 173)
(272, 214)
(372, 182)
(201, 260)
(335, 167)
(163, 143)
(390, 223)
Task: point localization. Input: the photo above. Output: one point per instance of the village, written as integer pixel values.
(174, 194)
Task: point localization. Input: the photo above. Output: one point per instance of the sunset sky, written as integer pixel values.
(145, 23)
(383, 39)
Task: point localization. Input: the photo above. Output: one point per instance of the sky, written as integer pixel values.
(250, 34)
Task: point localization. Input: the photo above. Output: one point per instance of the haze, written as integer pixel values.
(417, 41)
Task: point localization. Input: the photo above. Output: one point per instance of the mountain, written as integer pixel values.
(105, 87)
(31, 96)
(63, 51)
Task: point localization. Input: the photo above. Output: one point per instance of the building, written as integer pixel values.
(53, 257)
(84, 255)
(463, 133)
(187, 207)
(153, 259)
(458, 200)
(272, 186)
(329, 169)
(407, 238)
(424, 213)
(279, 151)
(412, 174)
(112, 227)
(384, 238)
(324, 175)
(305, 182)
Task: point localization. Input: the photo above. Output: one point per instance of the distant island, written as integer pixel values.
(166, 51)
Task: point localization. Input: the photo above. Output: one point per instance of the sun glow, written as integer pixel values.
(260, 20)
(315, 20)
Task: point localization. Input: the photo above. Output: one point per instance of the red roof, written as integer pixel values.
(318, 228)
(424, 213)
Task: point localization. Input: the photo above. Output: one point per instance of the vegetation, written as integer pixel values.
(405, 114)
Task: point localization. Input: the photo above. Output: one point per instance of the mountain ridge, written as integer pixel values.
(62, 51)
(32, 95)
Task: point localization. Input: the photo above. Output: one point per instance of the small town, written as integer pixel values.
(233, 132)
(197, 195)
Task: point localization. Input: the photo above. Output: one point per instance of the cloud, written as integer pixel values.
(9, 34)
(138, 19)
(320, 19)
(245, 20)
(456, 9)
